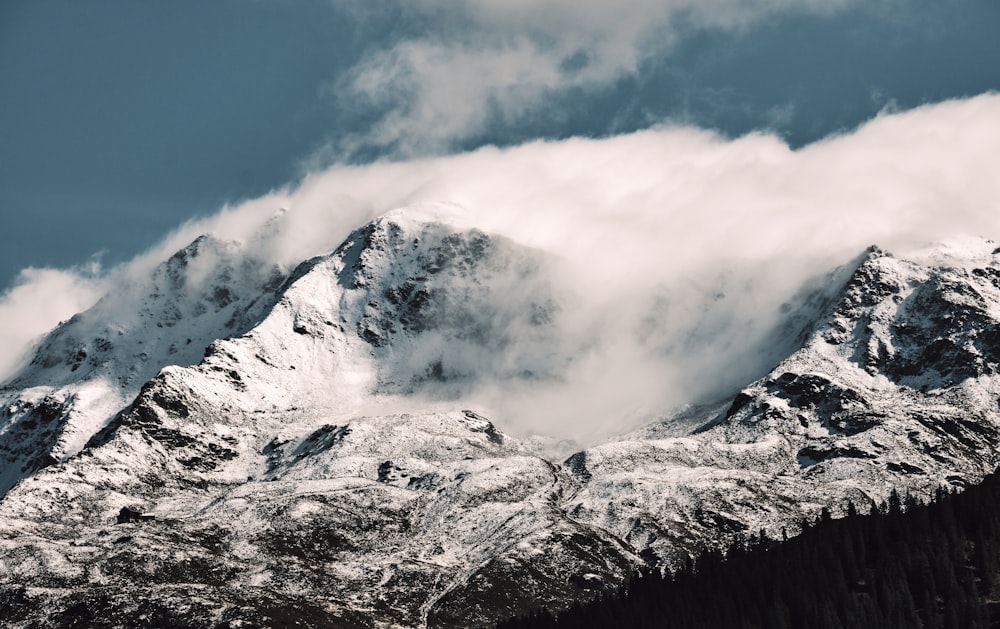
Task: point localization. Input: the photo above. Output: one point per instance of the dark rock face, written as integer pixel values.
(577, 464)
(32, 433)
(129, 515)
(838, 408)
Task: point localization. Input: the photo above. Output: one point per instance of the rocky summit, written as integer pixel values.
(224, 444)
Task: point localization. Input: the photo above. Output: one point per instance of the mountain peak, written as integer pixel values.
(414, 216)
(927, 320)
(90, 367)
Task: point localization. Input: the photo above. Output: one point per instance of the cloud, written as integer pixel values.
(680, 252)
(39, 299)
(469, 64)
(682, 248)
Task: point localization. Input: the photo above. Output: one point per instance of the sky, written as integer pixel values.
(700, 160)
(121, 120)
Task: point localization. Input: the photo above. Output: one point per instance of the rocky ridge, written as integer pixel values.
(92, 366)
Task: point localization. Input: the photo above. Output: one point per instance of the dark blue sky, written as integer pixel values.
(121, 119)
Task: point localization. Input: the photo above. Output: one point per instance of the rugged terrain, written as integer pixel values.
(268, 483)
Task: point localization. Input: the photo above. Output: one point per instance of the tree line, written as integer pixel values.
(934, 565)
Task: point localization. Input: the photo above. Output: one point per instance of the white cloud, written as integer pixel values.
(39, 300)
(472, 61)
(682, 246)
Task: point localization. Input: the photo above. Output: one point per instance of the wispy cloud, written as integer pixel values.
(469, 64)
(39, 299)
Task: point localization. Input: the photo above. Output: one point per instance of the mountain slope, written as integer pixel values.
(271, 486)
(896, 388)
(91, 366)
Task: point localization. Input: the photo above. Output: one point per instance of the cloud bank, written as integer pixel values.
(469, 64)
(683, 249)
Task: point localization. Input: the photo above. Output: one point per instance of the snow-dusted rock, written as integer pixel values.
(91, 366)
(259, 487)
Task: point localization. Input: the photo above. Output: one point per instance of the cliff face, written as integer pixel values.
(271, 493)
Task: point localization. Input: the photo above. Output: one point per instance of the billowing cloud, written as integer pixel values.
(39, 299)
(683, 250)
(467, 64)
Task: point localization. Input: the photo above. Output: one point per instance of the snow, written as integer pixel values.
(291, 431)
(94, 403)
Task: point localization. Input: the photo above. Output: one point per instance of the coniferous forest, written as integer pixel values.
(905, 565)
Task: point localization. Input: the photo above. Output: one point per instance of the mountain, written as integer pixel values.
(292, 473)
(895, 388)
(91, 366)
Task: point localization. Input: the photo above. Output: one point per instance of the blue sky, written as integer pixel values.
(119, 120)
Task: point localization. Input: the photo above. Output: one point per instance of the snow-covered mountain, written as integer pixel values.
(93, 365)
(269, 482)
(896, 388)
